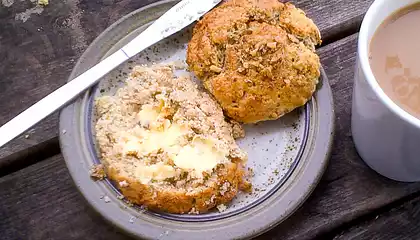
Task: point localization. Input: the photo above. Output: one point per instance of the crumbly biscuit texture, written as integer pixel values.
(167, 145)
(256, 57)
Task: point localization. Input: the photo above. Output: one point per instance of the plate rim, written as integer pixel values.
(308, 178)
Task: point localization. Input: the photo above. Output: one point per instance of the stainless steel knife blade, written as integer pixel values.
(177, 18)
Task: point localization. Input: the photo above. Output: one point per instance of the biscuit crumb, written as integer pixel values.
(97, 172)
(221, 207)
(246, 186)
(123, 183)
(237, 130)
(43, 2)
(194, 211)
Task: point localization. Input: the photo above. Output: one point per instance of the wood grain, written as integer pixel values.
(51, 206)
(38, 55)
(41, 202)
(336, 19)
(398, 223)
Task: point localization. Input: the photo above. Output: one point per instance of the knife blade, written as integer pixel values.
(177, 18)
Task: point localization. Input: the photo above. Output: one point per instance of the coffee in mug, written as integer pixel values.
(394, 57)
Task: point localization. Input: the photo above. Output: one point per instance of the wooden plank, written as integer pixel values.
(349, 189)
(398, 223)
(37, 55)
(336, 19)
(41, 202)
(44, 134)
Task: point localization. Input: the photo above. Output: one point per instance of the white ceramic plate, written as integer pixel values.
(288, 155)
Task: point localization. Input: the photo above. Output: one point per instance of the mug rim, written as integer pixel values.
(362, 45)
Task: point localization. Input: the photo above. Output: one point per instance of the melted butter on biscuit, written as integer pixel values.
(148, 115)
(165, 140)
(198, 156)
(158, 172)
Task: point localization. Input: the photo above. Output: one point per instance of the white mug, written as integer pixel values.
(386, 137)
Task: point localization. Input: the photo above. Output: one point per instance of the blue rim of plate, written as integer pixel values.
(89, 136)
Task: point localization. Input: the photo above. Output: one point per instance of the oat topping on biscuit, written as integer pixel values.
(257, 58)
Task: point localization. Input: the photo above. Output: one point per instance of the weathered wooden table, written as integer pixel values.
(38, 200)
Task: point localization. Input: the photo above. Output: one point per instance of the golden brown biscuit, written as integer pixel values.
(257, 58)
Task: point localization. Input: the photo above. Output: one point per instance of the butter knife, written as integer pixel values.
(177, 18)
